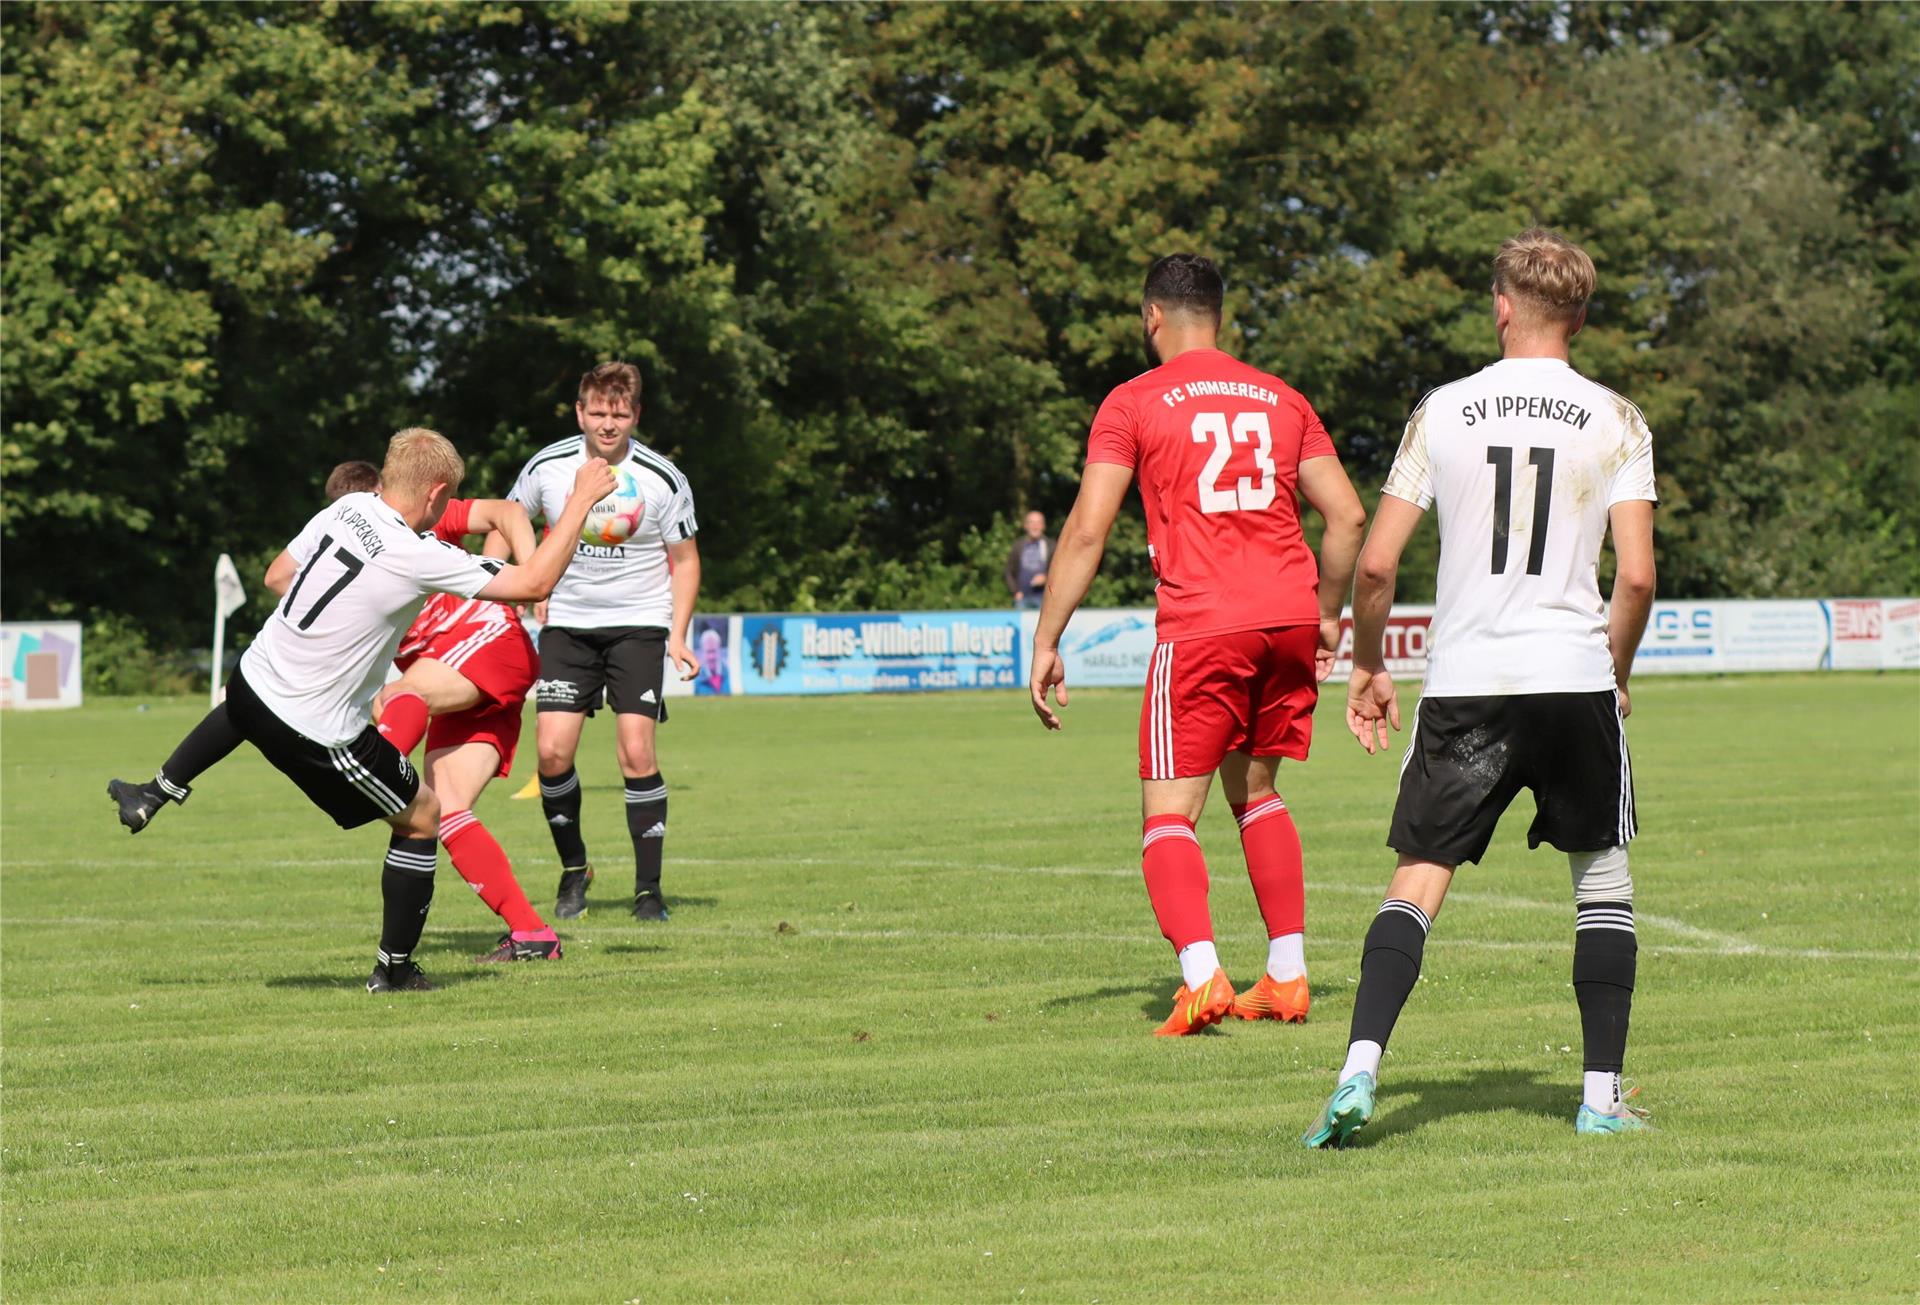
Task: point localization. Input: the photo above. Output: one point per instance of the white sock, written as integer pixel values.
(1363, 1057)
(1602, 1090)
(1198, 961)
(1287, 957)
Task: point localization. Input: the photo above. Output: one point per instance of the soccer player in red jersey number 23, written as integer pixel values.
(1247, 623)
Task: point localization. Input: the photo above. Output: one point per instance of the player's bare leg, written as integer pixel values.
(1272, 848)
(1176, 874)
(646, 793)
(406, 891)
(458, 775)
(429, 688)
(1389, 967)
(557, 736)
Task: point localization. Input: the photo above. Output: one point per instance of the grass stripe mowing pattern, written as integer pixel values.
(896, 1042)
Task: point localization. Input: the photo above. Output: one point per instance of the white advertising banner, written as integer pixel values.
(39, 664)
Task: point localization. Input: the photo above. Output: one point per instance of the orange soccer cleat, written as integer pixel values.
(1193, 1011)
(1275, 999)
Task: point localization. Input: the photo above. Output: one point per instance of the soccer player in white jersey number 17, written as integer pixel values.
(613, 620)
(354, 579)
(1528, 464)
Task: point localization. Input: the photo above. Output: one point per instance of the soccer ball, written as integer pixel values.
(612, 521)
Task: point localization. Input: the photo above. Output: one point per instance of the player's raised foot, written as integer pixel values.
(1623, 1118)
(1195, 1010)
(570, 903)
(1274, 999)
(526, 945)
(1348, 1111)
(138, 803)
(651, 908)
(404, 977)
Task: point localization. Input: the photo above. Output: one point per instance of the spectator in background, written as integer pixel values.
(1027, 563)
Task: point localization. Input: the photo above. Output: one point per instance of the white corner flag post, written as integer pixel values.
(228, 597)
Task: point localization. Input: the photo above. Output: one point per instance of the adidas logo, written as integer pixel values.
(559, 818)
(648, 696)
(659, 830)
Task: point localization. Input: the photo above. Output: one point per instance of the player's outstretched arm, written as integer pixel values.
(1324, 483)
(280, 573)
(534, 581)
(1070, 572)
(1372, 701)
(506, 527)
(685, 559)
(1633, 588)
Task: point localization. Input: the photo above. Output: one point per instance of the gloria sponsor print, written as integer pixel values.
(880, 652)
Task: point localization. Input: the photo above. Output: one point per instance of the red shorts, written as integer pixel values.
(499, 726)
(500, 661)
(1252, 691)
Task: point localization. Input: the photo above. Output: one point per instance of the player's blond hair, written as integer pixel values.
(1546, 273)
(418, 459)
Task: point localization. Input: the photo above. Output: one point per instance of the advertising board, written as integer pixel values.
(40, 664)
(880, 652)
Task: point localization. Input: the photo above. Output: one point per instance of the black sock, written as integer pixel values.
(406, 889)
(1389, 966)
(560, 799)
(205, 747)
(1605, 953)
(647, 822)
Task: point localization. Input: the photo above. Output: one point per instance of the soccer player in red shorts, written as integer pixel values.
(1247, 624)
(468, 666)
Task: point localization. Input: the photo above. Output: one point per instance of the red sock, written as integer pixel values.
(404, 721)
(1272, 846)
(483, 864)
(1176, 880)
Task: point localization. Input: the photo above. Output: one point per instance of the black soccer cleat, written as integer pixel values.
(570, 903)
(404, 977)
(532, 948)
(650, 907)
(138, 803)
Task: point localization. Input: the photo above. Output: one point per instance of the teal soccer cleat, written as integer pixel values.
(1347, 1112)
(1621, 1119)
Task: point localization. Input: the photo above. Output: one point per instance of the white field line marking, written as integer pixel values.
(1710, 942)
(913, 933)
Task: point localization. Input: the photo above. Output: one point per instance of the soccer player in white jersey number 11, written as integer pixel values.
(621, 610)
(1529, 464)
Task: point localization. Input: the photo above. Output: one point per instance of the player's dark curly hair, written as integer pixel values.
(1186, 282)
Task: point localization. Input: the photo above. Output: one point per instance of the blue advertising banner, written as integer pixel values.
(1101, 646)
(880, 652)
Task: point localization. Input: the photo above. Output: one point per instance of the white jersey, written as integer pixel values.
(1523, 459)
(624, 584)
(363, 576)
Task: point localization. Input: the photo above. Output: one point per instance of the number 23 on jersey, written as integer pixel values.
(1245, 493)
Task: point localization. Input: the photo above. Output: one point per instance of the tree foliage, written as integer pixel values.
(879, 263)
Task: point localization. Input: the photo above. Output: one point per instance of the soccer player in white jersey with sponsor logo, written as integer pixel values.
(354, 579)
(612, 621)
(1529, 464)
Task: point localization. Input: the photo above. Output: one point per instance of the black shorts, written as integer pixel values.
(628, 661)
(360, 781)
(1469, 757)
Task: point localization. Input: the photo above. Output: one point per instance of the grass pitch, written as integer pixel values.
(895, 1042)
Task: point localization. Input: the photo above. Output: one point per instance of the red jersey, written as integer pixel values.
(1217, 446)
(446, 612)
